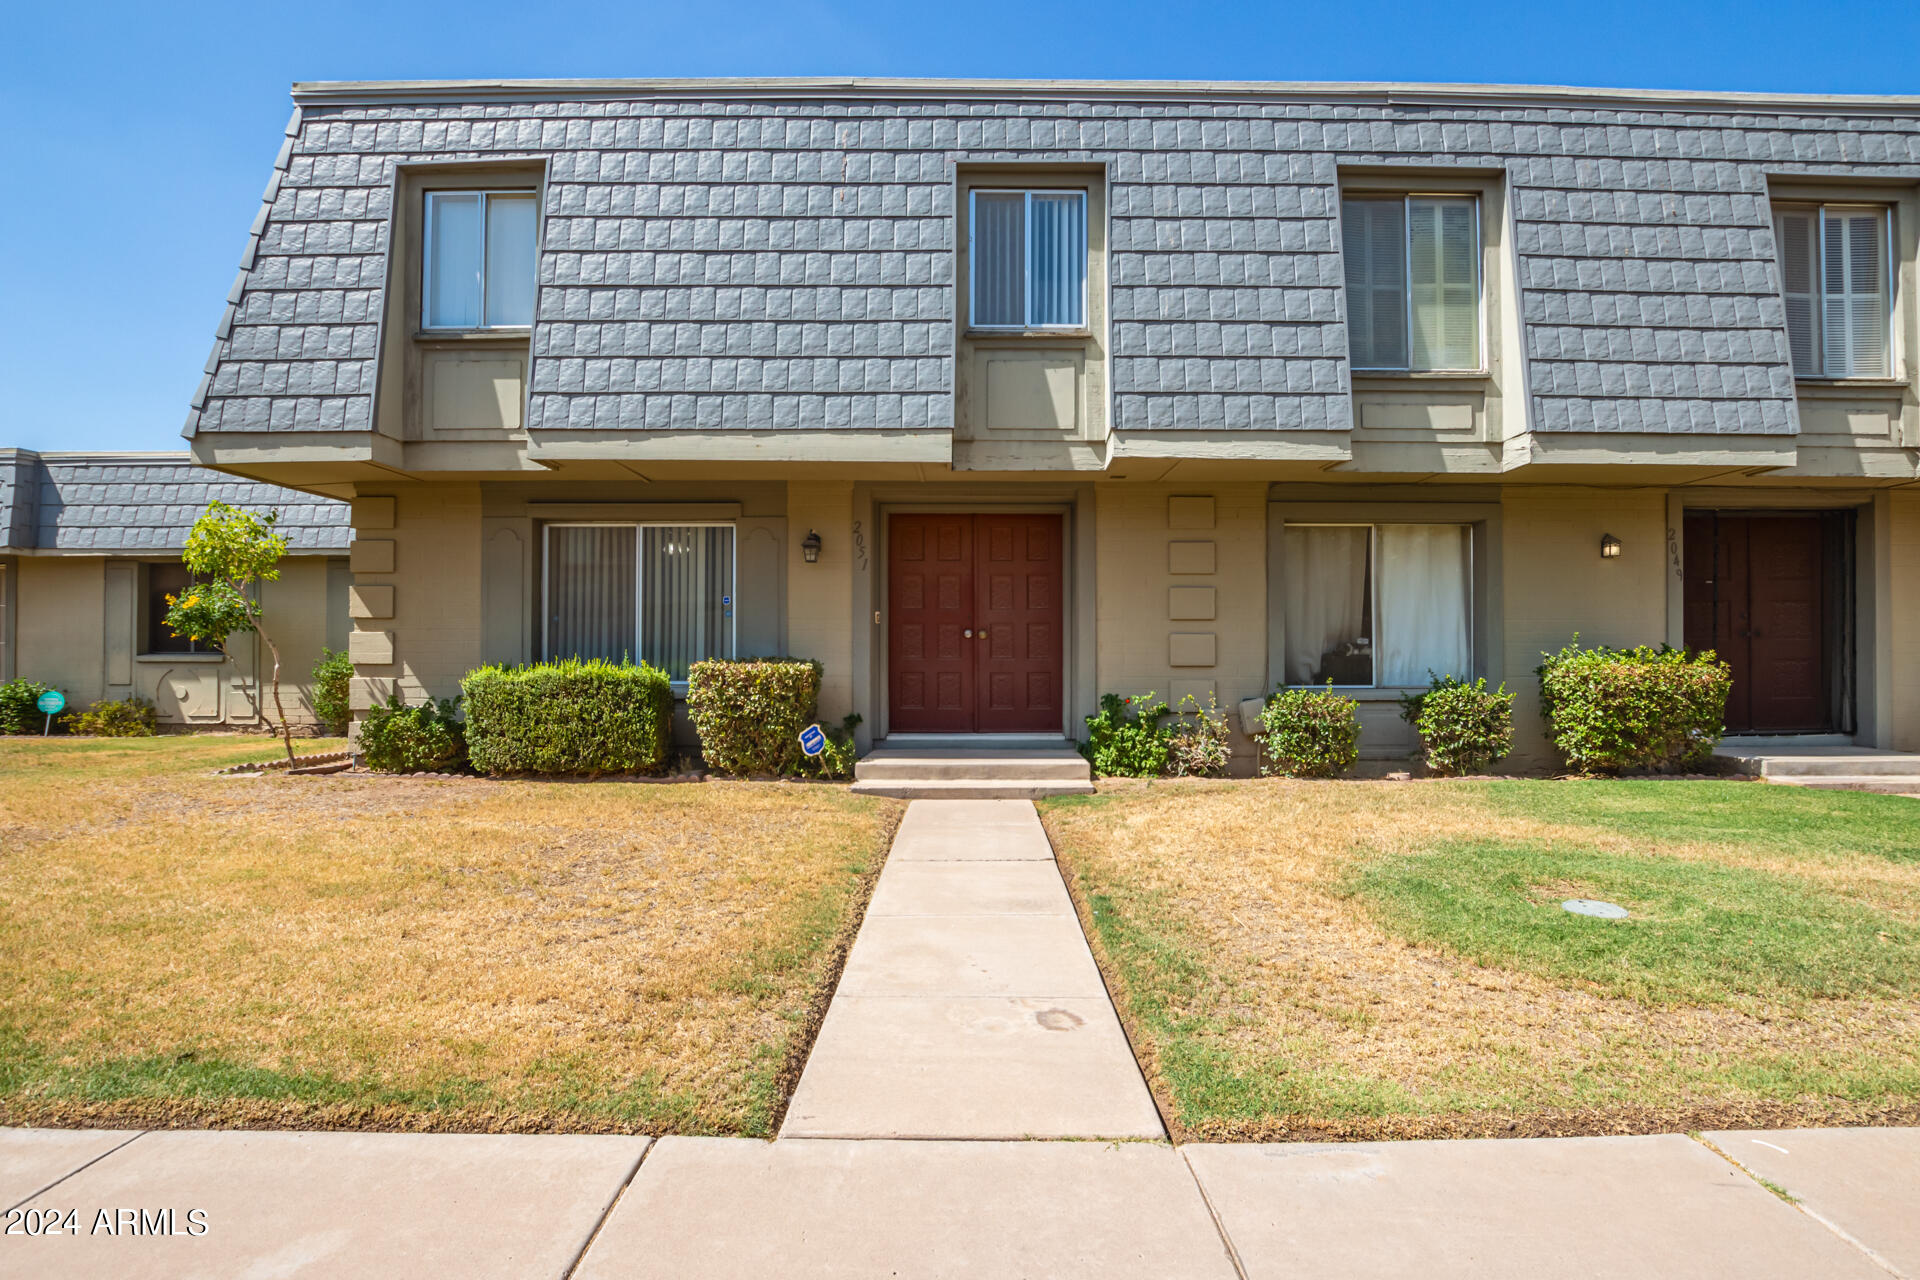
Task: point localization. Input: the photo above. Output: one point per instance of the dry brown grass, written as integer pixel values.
(414, 953)
(1267, 1003)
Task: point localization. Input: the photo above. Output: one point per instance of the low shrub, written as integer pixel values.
(569, 717)
(1125, 738)
(1610, 710)
(18, 714)
(118, 718)
(397, 738)
(332, 678)
(1202, 742)
(836, 762)
(749, 713)
(1463, 727)
(1309, 733)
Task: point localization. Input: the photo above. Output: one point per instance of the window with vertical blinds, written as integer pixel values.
(662, 594)
(1413, 282)
(1027, 254)
(1835, 281)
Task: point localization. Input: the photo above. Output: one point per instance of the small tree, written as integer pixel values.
(230, 553)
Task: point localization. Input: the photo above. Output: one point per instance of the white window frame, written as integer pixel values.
(1026, 251)
(426, 257)
(639, 579)
(1406, 199)
(1373, 591)
(1890, 260)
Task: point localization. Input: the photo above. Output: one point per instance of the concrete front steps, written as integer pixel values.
(1828, 768)
(961, 770)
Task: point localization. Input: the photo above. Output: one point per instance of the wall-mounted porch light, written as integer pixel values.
(810, 548)
(1609, 547)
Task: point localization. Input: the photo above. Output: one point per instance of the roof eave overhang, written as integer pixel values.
(387, 92)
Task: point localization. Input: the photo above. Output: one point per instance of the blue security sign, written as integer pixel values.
(812, 740)
(52, 702)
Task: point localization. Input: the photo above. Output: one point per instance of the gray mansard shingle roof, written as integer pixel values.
(108, 503)
(769, 256)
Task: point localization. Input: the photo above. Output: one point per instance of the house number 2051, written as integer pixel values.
(859, 546)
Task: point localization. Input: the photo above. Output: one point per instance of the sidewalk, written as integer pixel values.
(971, 1006)
(970, 1012)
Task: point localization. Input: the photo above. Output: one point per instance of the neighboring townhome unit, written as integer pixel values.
(92, 551)
(994, 397)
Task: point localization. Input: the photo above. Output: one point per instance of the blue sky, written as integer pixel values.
(138, 136)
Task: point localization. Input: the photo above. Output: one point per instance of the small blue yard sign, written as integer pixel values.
(812, 740)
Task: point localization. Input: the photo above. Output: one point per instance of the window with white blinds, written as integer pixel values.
(1835, 280)
(1027, 252)
(1413, 282)
(658, 593)
(479, 262)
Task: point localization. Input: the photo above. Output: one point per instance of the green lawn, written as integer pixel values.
(1392, 959)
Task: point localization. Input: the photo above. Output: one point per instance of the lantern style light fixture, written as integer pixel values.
(1609, 547)
(810, 548)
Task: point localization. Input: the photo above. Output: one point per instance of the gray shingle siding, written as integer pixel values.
(117, 505)
(766, 264)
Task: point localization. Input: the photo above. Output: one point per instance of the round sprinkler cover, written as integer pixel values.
(1591, 907)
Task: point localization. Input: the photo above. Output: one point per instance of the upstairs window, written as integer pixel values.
(1834, 273)
(479, 259)
(1028, 254)
(1413, 282)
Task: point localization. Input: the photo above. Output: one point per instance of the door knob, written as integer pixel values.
(969, 633)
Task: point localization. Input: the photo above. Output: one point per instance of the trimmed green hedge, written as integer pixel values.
(1463, 726)
(1609, 710)
(569, 717)
(118, 718)
(749, 713)
(1309, 733)
(397, 738)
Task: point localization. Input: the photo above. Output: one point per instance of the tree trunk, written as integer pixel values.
(286, 730)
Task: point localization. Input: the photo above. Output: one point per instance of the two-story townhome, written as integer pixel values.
(997, 396)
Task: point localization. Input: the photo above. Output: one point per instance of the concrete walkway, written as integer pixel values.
(971, 1006)
(474, 1206)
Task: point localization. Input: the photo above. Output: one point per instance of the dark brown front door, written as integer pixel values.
(1766, 593)
(974, 623)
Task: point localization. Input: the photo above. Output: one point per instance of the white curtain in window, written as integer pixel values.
(511, 230)
(1327, 607)
(1374, 245)
(1443, 272)
(999, 251)
(590, 592)
(453, 260)
(1424, 598)
(686, 613)
(1796, 233)
(1057, 274)
(1855, 278)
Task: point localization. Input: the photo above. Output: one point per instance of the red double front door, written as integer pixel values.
(974, 623)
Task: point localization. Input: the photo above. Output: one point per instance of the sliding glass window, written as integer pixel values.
(658, 593)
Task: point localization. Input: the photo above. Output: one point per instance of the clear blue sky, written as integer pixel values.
(137, 136)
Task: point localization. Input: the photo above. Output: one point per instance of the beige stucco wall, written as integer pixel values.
(1152, 539)
(1556, 584)
(416, 573)
(820, 596)
(78, 628)
(1903, 609)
